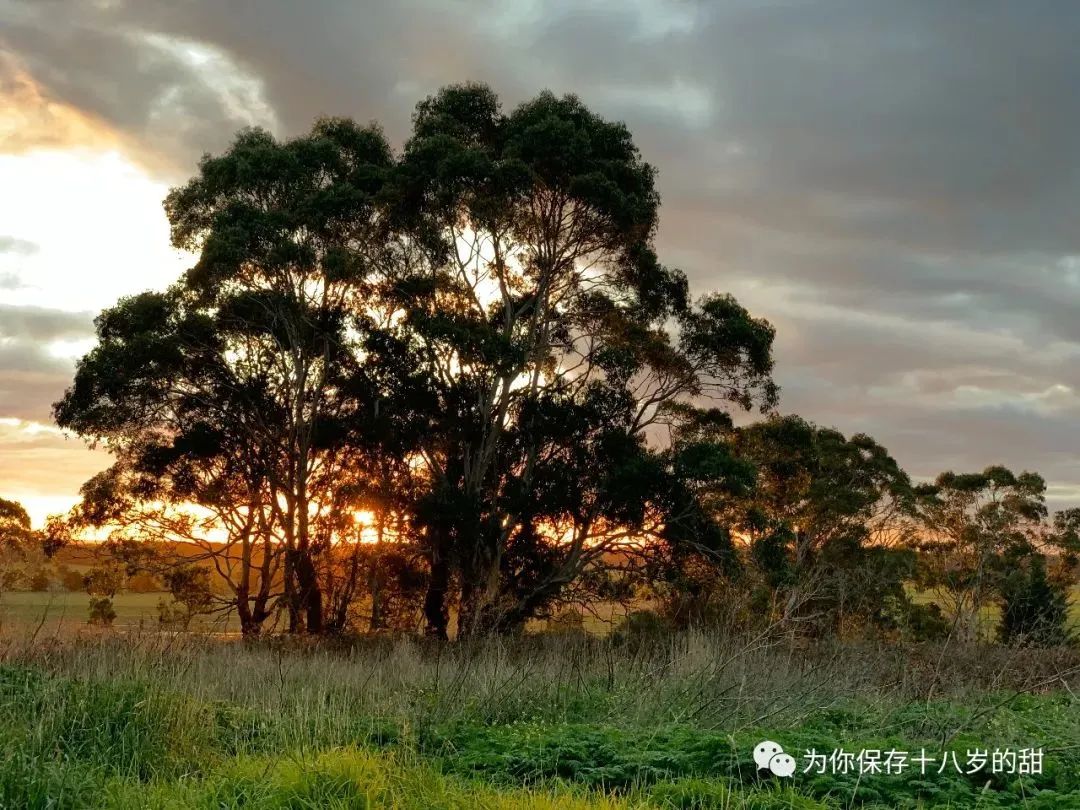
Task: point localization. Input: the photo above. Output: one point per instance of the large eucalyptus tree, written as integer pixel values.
(551, 338)
(242, 389)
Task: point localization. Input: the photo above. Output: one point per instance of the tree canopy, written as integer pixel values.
(455, 380)
(475, 337)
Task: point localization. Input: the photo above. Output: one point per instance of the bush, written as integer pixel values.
(642, 626)
(924, 622)
(1035, 610)
(102, 611)
(70, 579)
(39, 581)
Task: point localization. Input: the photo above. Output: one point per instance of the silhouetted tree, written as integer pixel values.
(825, 521)
(476, 343)
(550, 338)
(17, 541)
(239, 391)
(1034, 609)
(971, 524)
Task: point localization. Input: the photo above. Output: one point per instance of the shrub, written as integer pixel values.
(101, 611)
(1035, 610)
(642, 625)
(922, 622)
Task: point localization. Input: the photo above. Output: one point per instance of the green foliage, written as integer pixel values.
(642, 626)
(101, 611)
(1035, 610)
(919, 621)
(121, 743)
(120, 727)
(975, 529)
(825, 518)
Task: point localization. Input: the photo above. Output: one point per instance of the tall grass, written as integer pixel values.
(149, 719)
(715, 680)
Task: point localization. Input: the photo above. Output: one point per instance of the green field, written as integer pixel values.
(991, 614)
(67, 609)
(154, 720)
(131, 717)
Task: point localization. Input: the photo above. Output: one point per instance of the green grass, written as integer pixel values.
(64, 610)
(68, 609)
(990, 615)
(146, 720)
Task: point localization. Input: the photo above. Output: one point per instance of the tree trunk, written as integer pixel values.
(310, 596)
(435, 612)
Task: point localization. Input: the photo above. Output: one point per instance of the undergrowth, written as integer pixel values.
(130, 723)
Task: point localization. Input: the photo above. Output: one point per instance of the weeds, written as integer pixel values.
(181, 721)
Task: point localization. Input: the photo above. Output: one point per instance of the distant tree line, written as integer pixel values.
(454, 387)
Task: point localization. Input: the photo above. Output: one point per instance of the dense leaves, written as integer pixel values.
(458, 381)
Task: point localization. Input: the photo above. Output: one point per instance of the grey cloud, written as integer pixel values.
(29, 395)
(42, 324)
(894, 184)
(31, 378)
(142, 82)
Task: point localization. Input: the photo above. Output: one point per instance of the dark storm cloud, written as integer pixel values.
(894, 184)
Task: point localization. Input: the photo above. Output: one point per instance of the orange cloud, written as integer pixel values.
(29, 120)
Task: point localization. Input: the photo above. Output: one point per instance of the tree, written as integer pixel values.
(972, 524)
(825, 520)
(693, 568)
(475, 343)
(17, 538)
(289, 235)
(1066, 539)
(238, 391)
(189, 586)
(101, 583)
(549, 337)
(1035, 610)
(15, 527)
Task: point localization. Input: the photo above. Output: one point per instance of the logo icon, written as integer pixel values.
(769, 755)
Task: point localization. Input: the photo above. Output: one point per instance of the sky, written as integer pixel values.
(894, 185)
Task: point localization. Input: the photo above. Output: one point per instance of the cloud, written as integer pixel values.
(153, 88)
(895, 185)
(33, 373)
(40, 324)
(20, 247)
(42, 468)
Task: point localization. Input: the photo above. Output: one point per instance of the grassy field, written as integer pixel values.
(67, 610)
(107, 720)
(64, 611)
(990, 615)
